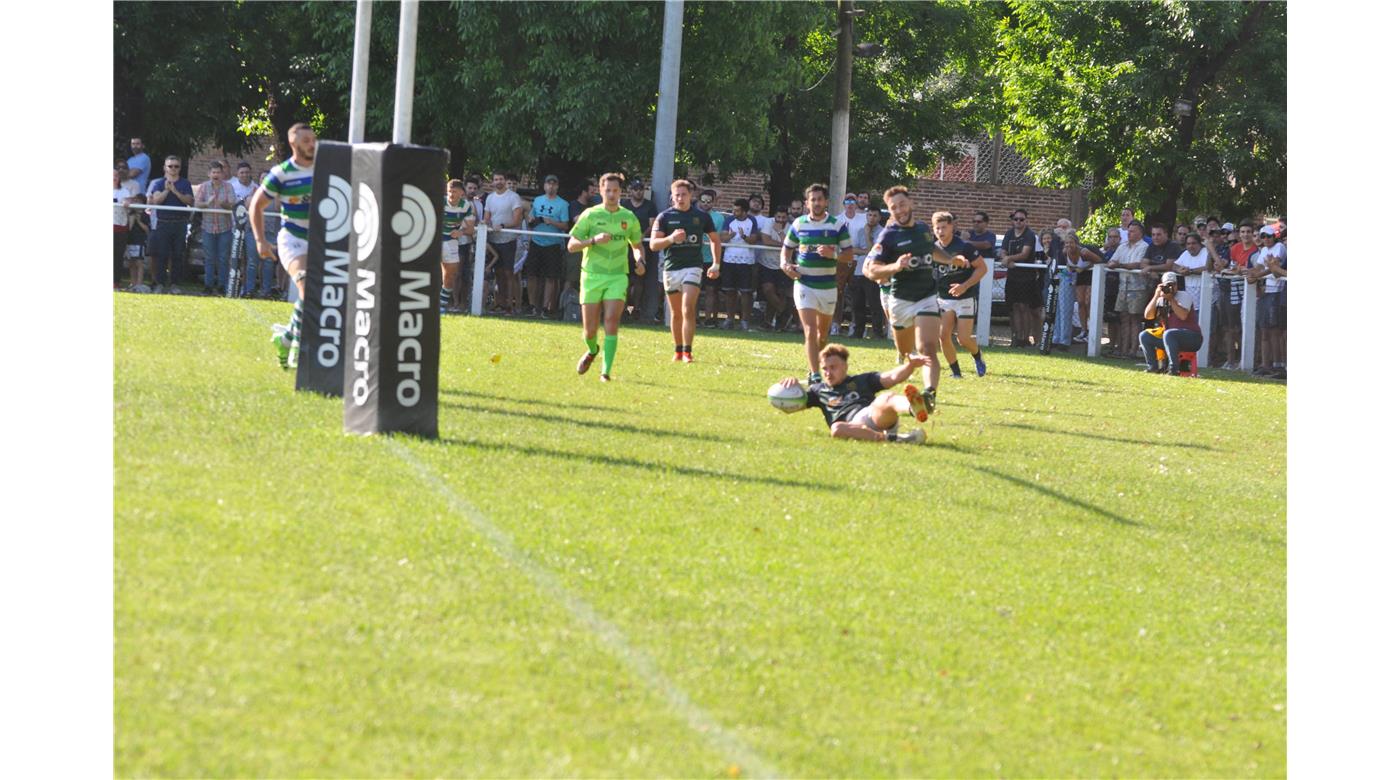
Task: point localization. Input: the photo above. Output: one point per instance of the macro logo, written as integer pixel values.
(335, 209)
(366, 221)
(416, 224)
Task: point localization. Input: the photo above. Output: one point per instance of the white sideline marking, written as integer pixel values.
(640, 664)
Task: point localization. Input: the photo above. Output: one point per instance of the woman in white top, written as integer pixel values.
(1081, 260)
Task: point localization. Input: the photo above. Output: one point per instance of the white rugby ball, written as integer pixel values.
(787, 399)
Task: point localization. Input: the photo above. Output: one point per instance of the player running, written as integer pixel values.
(604, 233)
(458, 219)
(904, 256)
(821, 242)
(957, 292)
(855, 407)
(290, 185)
(676, 234)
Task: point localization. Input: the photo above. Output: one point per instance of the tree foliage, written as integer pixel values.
(1090, 93)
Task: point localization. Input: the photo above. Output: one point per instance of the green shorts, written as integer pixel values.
(602, 287)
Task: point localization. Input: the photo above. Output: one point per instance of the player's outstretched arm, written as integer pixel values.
(902, 372)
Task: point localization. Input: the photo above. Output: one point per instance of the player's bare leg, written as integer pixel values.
(814, 334)
(927, 330)
(904, 341)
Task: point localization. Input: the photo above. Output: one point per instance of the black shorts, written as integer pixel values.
(775, 277)
(1084, 279)
(167, 242)
(505, 252)
(1227, 315)
(546, 262)
(1273, 313)
(1025, 285)
(736, 276)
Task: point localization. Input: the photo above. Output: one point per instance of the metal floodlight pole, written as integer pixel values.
(359, 74)
(663, 156)
(841, 110)
(403, 85)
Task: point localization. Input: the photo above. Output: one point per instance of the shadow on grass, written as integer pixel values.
(1052, 380)
(1058, 496)
(526, 400)
(1137, 365)
(981, 408)
(1101, 437)
(584, 423)
(681, 388)
(625, 462)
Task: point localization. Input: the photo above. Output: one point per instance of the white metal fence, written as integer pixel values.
(1249, 306)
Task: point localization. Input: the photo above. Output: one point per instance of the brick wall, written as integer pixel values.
(960, 197)
(260, 157)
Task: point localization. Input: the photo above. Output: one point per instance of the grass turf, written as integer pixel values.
(1082, 574)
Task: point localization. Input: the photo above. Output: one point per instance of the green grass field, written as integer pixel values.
(1082, 573)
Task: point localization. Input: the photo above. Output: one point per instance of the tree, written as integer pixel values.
(1169, 107)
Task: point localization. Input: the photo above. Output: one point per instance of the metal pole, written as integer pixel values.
(359, 74)
(1205, 317)
(403, 85)
(479, 271)
(663, 156)
(984, 308)
(1098, 281)
(841, 110)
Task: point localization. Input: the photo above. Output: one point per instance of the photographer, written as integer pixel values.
(1173, 312)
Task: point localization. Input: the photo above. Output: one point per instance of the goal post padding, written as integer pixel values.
(393, 331)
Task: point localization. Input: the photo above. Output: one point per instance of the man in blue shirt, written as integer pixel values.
(544, 265)
(139, 163)
(166, 244)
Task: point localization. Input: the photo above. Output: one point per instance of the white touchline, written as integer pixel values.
(638, 662)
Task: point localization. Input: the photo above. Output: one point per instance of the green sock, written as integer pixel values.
(609, 352)
(592, 345)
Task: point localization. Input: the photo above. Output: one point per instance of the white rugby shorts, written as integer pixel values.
(672, 280)
(866, 418)
(449, 252)
(902, 312)
(290, 248)
(823, 301)
(964, 308)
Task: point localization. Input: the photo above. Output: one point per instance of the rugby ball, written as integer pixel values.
(787, 399)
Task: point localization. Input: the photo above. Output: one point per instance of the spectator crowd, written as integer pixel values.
(535, 276)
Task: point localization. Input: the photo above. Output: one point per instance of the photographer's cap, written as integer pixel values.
(1267, 231)
(1170, 277)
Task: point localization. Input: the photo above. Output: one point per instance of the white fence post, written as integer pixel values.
(479, 271)
(1249, 311)
(984, 308)
(1205, 317)
(1097, 278)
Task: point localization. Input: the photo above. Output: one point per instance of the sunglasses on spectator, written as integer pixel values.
(707, 200)
(1018, 219)
(173, 165)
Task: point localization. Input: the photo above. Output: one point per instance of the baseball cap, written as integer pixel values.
(1170, 277)
(1268, 230)
(636, 184)
(1227, 227)
(552, 177)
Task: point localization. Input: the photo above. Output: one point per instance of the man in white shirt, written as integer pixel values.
(1271, 266)
(737, 266)
(1132, 289)
(504, 209)
(853, 217)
